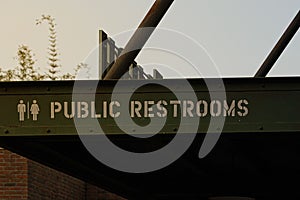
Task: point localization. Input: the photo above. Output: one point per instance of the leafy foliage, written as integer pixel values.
(25, 70)
(52, 49)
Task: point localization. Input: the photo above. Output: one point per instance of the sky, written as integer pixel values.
(235, 36)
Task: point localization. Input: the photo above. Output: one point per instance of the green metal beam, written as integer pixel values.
(45, 108)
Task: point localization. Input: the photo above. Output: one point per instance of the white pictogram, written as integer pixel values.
(22, 108)
(34, 109)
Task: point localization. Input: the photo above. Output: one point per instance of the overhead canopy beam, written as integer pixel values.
(279, 48)
(139, 39)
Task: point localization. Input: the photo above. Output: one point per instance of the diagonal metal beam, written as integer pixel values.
(279, 47)
(139, 39)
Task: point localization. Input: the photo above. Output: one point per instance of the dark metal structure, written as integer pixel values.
(252, 105)
(139, 39)
(256, 156)
(279, 47)
(108, 52)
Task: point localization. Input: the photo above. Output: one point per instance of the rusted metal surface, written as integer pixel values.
(139, 39)
(280, 47)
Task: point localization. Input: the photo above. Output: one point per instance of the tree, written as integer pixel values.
(25, 70)
(52, 49)
(8, 75)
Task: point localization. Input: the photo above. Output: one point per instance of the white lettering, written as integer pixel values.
(151, 109)
(93, 111)
(229, 111)
(136, 110)
(111, 109)
(175, 107)
(242, 105)
(202, 112)
(188, 107)
(55, 108)
(215, 108)
(104, 109)
(160, 107)
(85, 109)
(67, 115)
(147, 109)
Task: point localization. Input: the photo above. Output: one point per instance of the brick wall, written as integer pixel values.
(25, 179)
(96, 193)
(46, 183)
(13, 176)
